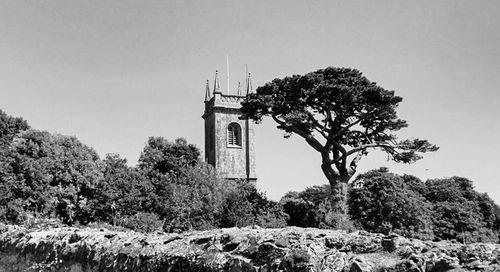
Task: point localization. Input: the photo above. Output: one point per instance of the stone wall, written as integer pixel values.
(245, 249)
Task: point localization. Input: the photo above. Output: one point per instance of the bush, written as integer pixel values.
(382, 202)
(191, 200)
(461, 213)
(245, 205)
(438, 209)
(49, 175)
(124, 191)
(314, 208)
(142, 222)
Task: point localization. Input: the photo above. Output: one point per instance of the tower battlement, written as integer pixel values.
(221, 101)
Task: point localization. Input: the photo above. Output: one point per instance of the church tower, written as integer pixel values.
(229, 141)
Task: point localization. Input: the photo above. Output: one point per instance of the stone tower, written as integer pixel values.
(229, 141)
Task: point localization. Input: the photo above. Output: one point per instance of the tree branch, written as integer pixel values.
(342, 159)
(360, 118)
(317, 126)
(313, 142)
(371, 145)
(354, 163)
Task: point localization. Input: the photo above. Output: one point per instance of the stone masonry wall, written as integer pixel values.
(245, 249)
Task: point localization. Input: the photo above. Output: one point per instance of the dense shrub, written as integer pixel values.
(191, 200)
(161, 156)
(124, 191)
(307, 208)
(382, 202)
(459, 212)
(245, 205)
(313, 208)
(180, 190)
(10, 127)
(446, 208)
(48, 175)
(46, 179)
(141, 221)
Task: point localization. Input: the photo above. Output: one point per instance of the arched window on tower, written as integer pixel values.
(234, 135)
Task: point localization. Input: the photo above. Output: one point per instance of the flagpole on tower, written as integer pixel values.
(246, 78)
(227, 62)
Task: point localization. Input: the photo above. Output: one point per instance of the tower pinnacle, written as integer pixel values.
(216, 82)
(207, 92)
(249, 83)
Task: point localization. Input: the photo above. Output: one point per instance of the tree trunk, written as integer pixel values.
(338, 196)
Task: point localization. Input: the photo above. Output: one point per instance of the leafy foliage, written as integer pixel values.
(48, 178)
(9, 128)
(307, 208)
(313, 208)
(440, 208)
(10, 205)
(142, 222)
(161, 156)
(245, 206)
(49, 174)
(192, 200)
(123, 192)
(460, 212)
(382, 202)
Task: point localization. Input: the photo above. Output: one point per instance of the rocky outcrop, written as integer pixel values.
(235, 249)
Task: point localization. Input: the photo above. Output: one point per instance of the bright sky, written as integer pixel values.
(114, 73)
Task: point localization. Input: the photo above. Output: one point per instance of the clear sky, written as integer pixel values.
(114, 73)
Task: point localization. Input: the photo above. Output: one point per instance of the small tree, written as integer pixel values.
(308, 208)
(161, 156)
(460, 212)
(49, 174)
(340, 114)
(123, 192)
(384, 202)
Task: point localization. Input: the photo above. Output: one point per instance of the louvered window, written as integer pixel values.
(234, 135)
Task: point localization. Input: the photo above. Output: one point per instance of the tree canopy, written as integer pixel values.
(161, 156)
(383, 202)
(460, 212)
(10, 127)
(48, 173)
(447, 208)
(341, 114)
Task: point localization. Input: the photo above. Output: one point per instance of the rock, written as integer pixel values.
(476, 265)
(235, 249)
(442, 262)
(334, 262)
(359, 265)
(392, 241)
